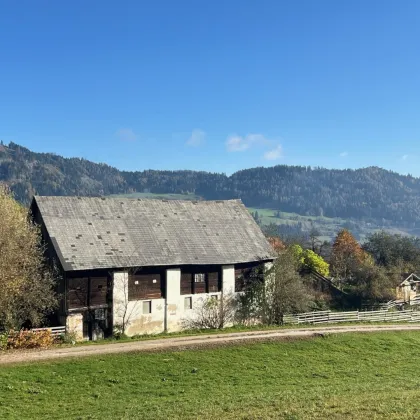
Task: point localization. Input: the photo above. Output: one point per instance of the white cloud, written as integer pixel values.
(126, 134)
(235, 143)
(274, 154)
(197, 138)
(344, 154)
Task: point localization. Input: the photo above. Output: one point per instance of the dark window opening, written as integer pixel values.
(77, 293)
(145, 285)
(87, 291)
(200, 279)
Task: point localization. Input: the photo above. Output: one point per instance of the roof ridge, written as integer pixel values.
(105, 198)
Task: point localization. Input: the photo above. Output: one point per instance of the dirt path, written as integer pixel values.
(190, 342)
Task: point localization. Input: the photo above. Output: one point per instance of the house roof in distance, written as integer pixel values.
(95, 232)
(409, 278)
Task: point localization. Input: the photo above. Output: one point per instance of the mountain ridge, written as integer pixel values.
(371, 193)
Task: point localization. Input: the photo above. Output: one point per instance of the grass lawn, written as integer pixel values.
(354, 376)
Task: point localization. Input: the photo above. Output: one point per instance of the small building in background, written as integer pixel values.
(409, 289)
(145, 264)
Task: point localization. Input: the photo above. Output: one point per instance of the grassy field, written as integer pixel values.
(328, 226)
(354, 376)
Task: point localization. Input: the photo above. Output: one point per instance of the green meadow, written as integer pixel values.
(353, 376)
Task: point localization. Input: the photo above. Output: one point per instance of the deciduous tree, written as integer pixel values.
(373, 284)
(346, 256)
(315, 262)
(282, 292)
(26, 283)
(390, 250)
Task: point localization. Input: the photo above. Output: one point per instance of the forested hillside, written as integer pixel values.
(370, 193)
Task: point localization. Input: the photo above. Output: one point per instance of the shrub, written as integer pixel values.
(118, 333)
(212, 313)
(26, 339)
(68, 338)
(4, 337)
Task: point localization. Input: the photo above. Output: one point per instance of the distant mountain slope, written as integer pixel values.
(370, 193)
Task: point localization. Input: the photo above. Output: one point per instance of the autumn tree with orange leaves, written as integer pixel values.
(347, 255)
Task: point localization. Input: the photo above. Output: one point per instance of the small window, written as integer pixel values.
(187, 303)
(199, 278)
(100, 314)
(147, 307)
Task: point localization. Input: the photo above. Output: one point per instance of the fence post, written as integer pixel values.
(358, 316)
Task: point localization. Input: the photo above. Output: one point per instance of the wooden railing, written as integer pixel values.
(325, 317)
(54, 330)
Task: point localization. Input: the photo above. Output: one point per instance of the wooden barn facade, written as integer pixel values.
(145, 263)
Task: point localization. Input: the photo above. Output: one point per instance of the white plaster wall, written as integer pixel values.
(174, 303)
(119, 296)
(167, 314)
(177, 315)
(136, 321)
(197, 300)
(140, 323)
(228, 279)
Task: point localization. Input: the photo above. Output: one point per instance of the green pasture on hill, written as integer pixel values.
(349, 376)
(327, 226)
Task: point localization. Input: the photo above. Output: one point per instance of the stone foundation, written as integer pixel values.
(74, 325)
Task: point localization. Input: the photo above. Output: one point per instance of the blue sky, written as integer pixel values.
(216, 85)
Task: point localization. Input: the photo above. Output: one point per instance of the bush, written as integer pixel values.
(212, 313)
(26, 339)
(118, 333)
(68, 338)
(4, 337)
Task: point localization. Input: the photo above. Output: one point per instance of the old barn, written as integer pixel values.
(146, 263)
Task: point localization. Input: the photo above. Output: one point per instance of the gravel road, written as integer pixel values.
(189, 342)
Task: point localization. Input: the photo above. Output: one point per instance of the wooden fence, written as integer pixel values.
(54, 330)
(325, 317)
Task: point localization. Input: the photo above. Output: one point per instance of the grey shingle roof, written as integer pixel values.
(99, 232)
